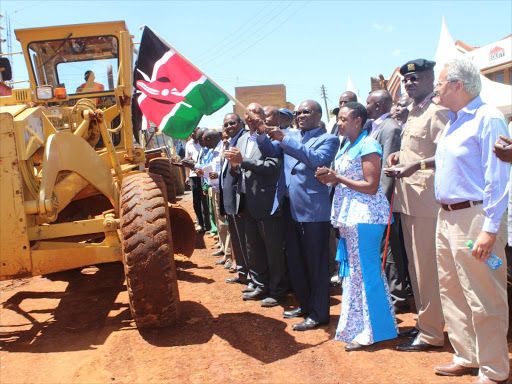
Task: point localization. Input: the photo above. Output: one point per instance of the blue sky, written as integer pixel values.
(301, 44)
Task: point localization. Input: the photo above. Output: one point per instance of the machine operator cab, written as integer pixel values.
(75, 67)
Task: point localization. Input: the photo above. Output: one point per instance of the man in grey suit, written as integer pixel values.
(387, 132)
(258, 176)
(232, 202)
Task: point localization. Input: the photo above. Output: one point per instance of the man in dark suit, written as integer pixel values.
(387, 132)
(263, 231)
(306, 208)
(232, 201)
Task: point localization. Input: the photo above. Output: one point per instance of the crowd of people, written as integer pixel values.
(403, 185)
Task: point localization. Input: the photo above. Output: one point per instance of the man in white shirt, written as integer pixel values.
(192, 152)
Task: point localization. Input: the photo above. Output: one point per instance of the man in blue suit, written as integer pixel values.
(306, 207)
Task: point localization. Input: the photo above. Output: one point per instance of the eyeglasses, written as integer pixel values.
(439, 83)
(412, 79)
(230, 123)
(303, 112)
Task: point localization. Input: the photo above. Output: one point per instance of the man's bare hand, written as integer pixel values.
(503, 149)
(393, 159)
(234, 156)
(482, 247)
(275, 133)
(213, 175)
(187, 182)
(188, 163)
(199, 172)
(406, 170)
(255, 123)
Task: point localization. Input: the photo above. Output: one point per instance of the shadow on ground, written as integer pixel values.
(86, 314)
(260, 337)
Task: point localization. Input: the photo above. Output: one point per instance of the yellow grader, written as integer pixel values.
(74, 187)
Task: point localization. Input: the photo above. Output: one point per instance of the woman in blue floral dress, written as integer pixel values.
(360, 212)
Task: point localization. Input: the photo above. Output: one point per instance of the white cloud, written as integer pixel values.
(386, 28)
(396, 52)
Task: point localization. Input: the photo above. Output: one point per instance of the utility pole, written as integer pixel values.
(324, 95)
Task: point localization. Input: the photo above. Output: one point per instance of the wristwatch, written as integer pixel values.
(422, 164)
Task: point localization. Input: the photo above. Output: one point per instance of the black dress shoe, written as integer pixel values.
(306, 325)
(297, 312)
(249, 288)
(416, 346)
(272, 301)
(256, 294)
(355, 347)
(236, 279)
(410, 333)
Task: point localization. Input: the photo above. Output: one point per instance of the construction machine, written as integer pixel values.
(74, 187)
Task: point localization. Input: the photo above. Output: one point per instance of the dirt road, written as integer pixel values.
(75, 327)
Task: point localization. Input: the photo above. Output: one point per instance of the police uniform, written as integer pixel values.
(418, 207)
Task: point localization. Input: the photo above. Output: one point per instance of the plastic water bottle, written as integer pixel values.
(493, 262)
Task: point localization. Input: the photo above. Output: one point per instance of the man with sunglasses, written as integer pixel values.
(306, 208)
(416, 202)
(232, 201)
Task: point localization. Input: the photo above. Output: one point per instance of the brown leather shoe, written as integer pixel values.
(454, 369)
(486, 380)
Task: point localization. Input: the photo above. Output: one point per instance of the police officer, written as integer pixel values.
(416, 201)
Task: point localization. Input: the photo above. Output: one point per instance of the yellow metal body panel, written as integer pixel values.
(13, 109)
(51, 256)
(14, 244)
(74, 228)
(67, 152)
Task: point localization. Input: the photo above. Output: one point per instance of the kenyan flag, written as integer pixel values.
(170, 92)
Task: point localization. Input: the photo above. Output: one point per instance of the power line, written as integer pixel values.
(242, 36)
(264, 36)
(212, 48)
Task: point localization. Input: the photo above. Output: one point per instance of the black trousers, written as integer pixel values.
(265, 254)
(307, 251)
(396, 268)
(200, 203)
(236, 225)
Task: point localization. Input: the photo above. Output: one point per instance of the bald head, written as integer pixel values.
(257, 109)
(378, 103)
(211, 138)
(402, 110)
(271, 115)
(347, 97)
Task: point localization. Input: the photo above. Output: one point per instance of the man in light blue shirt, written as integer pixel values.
(471, 185)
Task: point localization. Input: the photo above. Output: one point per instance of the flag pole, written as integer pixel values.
(233, 99)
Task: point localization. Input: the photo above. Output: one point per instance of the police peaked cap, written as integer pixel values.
(418, 65)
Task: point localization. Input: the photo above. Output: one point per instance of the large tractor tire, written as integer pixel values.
(147, 251)
(162, 166)
(180, 180)
(183, 231)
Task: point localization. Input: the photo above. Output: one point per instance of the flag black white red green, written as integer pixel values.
(171, 93)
